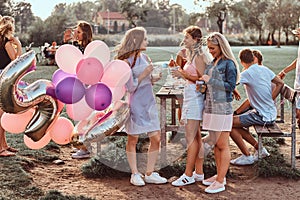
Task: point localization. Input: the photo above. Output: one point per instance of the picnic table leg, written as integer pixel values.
(173, 115)
(163, 130)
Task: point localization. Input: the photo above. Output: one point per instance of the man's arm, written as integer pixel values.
(278, 85)
(243, 107)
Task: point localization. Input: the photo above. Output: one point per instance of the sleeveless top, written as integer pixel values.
(190, 68)
(4, 57)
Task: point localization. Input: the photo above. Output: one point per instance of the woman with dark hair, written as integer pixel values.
(193, 105)
(81, 36)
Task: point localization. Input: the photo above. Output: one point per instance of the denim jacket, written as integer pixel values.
(222, 80)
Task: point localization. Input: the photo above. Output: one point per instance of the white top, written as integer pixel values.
(297, 74)
(257, 81)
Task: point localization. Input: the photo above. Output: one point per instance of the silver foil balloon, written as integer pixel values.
(18, 100)
(108, 126)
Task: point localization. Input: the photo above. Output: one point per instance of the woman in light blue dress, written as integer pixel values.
(143, 111)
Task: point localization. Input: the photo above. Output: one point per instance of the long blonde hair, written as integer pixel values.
(7, 27)
(131, 44)
(220, 40)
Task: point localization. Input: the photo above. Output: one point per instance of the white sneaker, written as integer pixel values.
(264, 153)
(81, 154)
(183, 180)
(155, 178)
(137, 180)
(215, 187)
(207, 148)
(198, 177)
(212, 179)
(243, 160)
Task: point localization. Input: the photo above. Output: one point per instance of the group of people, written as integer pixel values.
(216, 67)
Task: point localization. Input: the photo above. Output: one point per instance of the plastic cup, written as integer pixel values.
(156, 72)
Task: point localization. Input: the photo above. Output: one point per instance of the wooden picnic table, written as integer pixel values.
(164, 94)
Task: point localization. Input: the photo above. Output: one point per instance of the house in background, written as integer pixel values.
(113, 22)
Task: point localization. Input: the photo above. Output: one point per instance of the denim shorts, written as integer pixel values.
(251, 118)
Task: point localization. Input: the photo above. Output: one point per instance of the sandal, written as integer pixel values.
(5, 153)
(11, 149)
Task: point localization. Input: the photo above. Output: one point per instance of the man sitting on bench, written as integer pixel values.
(257, 81)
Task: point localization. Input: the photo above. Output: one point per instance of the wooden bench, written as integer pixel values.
(288, 94)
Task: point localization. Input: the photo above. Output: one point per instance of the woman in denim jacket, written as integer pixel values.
(221, 77)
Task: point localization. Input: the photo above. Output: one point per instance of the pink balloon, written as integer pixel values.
(59, 75)
(89, 70)
(67, 56)
(16, 123)
(39, 144)
(79, 111)
(61, 131)
(116, 73)
(117, 93)
(99, 50)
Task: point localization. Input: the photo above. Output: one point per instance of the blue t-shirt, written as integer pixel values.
(258, 84)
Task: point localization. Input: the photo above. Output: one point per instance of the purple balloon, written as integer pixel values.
(51, 92)
(98, 96)
(69, 90)
(59, 75)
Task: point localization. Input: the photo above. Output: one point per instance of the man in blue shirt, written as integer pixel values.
(257, 80)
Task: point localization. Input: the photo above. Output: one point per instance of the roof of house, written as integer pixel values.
(111, 15)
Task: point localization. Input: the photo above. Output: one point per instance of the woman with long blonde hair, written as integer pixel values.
(10, 49)
(143, 111)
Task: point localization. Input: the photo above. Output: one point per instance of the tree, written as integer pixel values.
(23, 16)
(134, 11)
(218, 11)
(6, 7)
(252, 18)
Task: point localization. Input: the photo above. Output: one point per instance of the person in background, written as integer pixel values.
(10, 49)
(143, 111)
(221, 77)
(51, 53)
(193, 105)
(257, 80)
(294, 65)
(82, 36)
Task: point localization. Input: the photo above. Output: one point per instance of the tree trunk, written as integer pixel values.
(278, 43)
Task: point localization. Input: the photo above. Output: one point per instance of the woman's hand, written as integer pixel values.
(176, 72)
(236, 95)
(15, 40)
(205, 78)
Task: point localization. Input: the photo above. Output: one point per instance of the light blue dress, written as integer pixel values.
(143, 110)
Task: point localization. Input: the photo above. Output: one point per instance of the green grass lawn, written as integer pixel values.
(274, 58)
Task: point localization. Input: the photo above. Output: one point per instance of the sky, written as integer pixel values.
(43, 8)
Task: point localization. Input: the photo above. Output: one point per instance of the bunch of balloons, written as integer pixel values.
(85, 83)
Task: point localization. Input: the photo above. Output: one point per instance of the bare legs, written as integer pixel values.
(152, 152)
(193, 139)
(239, 134)
(3, 144)
(222, 156)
